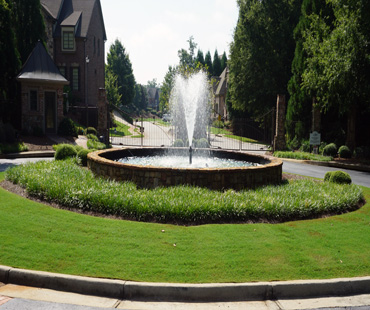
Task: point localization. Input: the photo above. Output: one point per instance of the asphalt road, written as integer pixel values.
(358, 177)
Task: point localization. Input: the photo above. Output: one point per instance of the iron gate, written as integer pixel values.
(244, 134)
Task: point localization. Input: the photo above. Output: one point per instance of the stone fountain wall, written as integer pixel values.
(270, 172)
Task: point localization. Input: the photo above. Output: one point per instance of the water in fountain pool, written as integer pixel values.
(179, 161)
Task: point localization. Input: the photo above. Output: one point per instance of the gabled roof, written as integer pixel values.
(39, 67)
(73, 12)
(52, 7)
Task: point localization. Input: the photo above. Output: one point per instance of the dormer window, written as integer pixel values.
(68, 40)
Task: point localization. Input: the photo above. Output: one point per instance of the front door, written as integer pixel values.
(50, 112)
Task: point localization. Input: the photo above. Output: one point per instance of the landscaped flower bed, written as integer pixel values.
(73, 187)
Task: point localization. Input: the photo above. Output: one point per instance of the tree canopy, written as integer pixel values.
(119, 64)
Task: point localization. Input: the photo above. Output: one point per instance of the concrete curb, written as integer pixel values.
(332, 164)
(30, 154)
(172, 292)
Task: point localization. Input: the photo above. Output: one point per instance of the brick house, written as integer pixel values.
(75, 40)
(42, 93)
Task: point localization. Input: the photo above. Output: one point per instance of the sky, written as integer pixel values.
(152, 31)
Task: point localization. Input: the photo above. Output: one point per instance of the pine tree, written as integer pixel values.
(217, 70)
(208, 62)
(200, 58)
(119, 64)
(223, 62)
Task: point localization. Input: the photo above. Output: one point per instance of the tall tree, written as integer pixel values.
(298, 119)
(187, 56)
(223, 62)
(216, 65)
(261, 53)
(29, 25)
(208, 61)
(200, 58)
(10, 60)
(120, 65)
(113, 90)
(164, 97)
(338, 62)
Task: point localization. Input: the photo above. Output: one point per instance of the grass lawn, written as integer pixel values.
(120, 131)
(38, 237)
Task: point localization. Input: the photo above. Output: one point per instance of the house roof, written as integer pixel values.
(52, 7)
(222, 85)
(40, 67)
(70, 12)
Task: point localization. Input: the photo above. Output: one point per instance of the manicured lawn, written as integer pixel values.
(120, 131)
(35, 236)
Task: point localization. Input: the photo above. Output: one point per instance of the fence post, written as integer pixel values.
(142, 133)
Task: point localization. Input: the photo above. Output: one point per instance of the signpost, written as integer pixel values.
(315, 140)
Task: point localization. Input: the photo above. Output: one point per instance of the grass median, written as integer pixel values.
(39, 237)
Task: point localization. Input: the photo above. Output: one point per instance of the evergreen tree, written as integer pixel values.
(200, 58)
(120, 65)
(338, 62)
(113, 90)
(223, 62)
(208, 62)
(164, 97)
(29, 26)
(261, 53)
(10, 63)
(298, 119)
(216, 65)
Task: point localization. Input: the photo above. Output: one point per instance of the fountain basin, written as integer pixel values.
(269, 171)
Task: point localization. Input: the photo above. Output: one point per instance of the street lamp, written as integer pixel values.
(86, 87)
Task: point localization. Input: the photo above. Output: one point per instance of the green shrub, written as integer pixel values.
(344, 152)
(92, 144)
(82, 155)
(305, 146)
(330, 150)
(91, 130)
(81, 131)
(218, 124)
(321, 147)
(293, 144)
(338, 177)
(64, 151)
(67, 128)
(178, 143)
(78, 148)
(358, 152)
(202, 143)
(93, 137)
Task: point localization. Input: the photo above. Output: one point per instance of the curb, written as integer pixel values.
(30, 154)
(332, 164)
(173, 292)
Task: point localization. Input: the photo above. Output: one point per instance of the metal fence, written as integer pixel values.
(246, 135)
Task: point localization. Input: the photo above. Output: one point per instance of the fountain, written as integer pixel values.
(215, 169)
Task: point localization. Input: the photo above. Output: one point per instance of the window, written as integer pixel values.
(68, 41)
(75, 79)
(33, 100)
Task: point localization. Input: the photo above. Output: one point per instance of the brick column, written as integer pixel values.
(102, 114)
(279, 139)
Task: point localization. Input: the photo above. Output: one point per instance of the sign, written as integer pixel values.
(315, 138)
